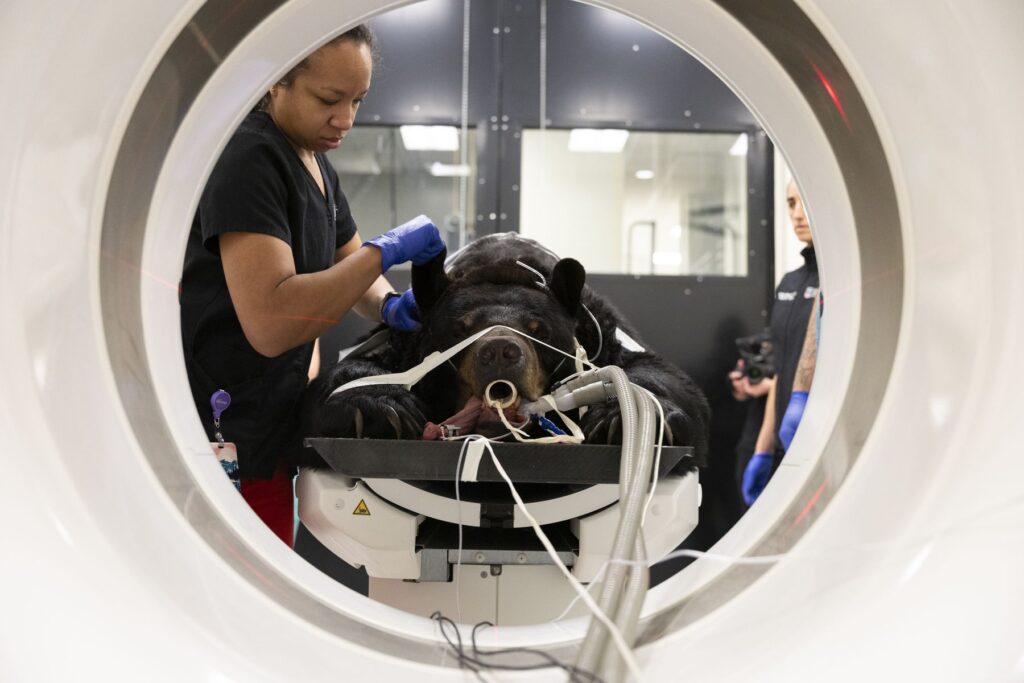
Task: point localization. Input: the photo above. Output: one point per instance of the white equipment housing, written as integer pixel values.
(508, 586)
(897, 509)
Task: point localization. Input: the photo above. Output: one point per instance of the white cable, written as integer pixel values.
(620, 643)
(731, 559)
(739, 560)
(600, 335)
(543, 282)
(458, 517)
(657, 453)
(593, 584)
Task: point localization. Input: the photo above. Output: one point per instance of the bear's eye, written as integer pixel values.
(537, 329)
(465, 324)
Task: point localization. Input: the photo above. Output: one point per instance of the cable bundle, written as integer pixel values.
(628, 577)
(479, 660)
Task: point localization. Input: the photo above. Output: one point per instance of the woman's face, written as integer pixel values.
(318, 108)
(797, 214)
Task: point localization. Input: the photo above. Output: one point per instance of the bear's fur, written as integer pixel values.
(485, 286)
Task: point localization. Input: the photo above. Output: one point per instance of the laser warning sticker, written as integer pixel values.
(361, 509)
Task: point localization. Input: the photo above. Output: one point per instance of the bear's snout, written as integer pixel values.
(501, 352)
(504, 357)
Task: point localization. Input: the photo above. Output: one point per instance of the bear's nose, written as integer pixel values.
(499, 353)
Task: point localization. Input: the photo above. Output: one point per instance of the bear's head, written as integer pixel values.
(505, 293)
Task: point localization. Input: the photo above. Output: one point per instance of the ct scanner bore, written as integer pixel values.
(908, 572)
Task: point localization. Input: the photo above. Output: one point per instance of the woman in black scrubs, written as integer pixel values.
(274, 259)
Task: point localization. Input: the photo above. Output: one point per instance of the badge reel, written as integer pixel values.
(224, 450)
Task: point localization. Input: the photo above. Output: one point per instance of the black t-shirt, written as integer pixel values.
(258, 185)
(794, 301)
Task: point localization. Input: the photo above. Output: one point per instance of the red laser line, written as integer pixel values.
(302, 317)
(810, 504)
(831, 93)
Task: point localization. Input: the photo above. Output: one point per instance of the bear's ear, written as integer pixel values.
(566, 284)
(429, 282)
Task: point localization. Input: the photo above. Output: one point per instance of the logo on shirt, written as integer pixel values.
(787, 296)
(810, 292)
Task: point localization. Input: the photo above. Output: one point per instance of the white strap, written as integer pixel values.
(574, 428)
(373, 342)
(474, 452)
(413, 375)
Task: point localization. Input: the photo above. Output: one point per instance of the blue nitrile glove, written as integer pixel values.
(417, 241)
(791, 419)
(400, 312)
(756, 475)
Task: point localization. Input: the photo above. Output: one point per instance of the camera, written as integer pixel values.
(758, 354)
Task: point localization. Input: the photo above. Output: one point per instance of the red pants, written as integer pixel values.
(273, 500)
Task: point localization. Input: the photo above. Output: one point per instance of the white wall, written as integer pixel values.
(787, 246)
(592, 206)
(573, 208)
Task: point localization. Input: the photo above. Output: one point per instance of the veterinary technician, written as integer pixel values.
(794, 338)
(273, 260)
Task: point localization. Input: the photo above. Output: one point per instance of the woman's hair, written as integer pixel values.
(361, 35)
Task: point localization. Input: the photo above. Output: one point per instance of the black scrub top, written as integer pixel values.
(794, 302)
(258, 185)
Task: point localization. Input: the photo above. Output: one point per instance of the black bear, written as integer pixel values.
(512, 281)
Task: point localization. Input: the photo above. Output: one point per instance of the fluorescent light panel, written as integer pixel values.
(449, 170)
(606, 140)
(739, 148)
(666, 258)
(430, 138)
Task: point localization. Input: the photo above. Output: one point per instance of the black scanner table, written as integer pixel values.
(528, 463)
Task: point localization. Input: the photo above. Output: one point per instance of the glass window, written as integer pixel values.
(387, 184)
(640, 203)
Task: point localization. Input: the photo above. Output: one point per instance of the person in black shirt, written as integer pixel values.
(794, 337)
(273, 260)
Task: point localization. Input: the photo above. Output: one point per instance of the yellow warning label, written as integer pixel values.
(361, 509)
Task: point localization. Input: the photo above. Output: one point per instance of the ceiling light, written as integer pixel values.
(449, 170)
(667, 258)
(608, 140)
(430, 138)
(739, 148)
(644, 174)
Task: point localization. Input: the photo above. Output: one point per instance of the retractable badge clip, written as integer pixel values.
(219, 401)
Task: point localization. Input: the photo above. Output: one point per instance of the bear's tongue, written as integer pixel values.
(475, 413)
(474, 417)
(512, 414)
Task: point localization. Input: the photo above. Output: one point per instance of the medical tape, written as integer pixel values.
(523, 437)
(573, 428)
